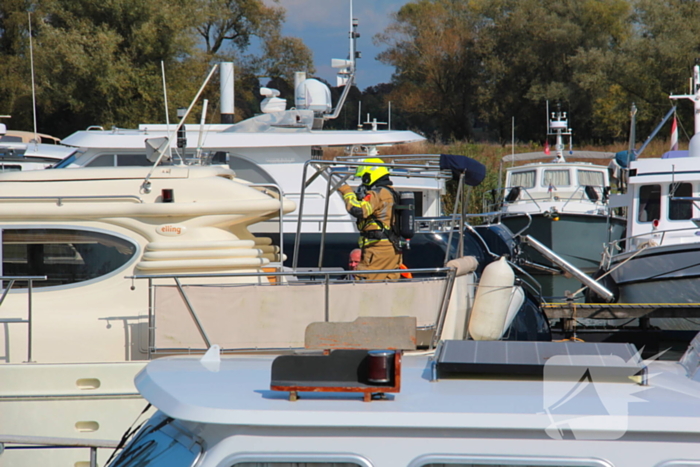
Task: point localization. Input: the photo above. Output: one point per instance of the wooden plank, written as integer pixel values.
(393, 333)
(621, 310)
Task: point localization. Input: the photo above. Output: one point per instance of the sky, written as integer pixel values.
(323, 25)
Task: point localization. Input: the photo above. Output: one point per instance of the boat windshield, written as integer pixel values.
(67, 161)
(160, 444)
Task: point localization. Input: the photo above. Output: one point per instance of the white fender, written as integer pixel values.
(517, 299)
(493, 297)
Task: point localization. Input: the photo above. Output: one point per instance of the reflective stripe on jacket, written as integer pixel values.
(376, 205)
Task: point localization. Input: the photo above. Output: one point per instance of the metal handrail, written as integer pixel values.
(343, 171)
(614, 245)
(30, 280)
(46, 442)
(450, 274)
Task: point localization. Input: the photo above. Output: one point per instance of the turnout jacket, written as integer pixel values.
(374, 211)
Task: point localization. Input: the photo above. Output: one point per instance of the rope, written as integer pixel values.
(644, 246)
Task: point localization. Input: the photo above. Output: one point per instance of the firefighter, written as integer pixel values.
(373, 207)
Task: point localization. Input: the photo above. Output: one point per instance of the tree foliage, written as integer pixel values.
(99, 62)
(489, 61)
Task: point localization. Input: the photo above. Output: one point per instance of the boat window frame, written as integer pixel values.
(690, 204)
(171, 428)
(294, 457)
(514, 172)
(639, 210)
(602, 173)
(510, 460)
(138, 253)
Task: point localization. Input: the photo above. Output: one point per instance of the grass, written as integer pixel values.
(490, 155)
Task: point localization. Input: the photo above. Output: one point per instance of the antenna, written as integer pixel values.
(205, 103)
(349, 67)
(165, 100)
(31, 62)
(146, 185)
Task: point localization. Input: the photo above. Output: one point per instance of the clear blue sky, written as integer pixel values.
(323, 26)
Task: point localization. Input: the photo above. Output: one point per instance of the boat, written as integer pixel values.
(467, 403)
(106, 268)
(562, 204)
(21, 150)
(657, 262)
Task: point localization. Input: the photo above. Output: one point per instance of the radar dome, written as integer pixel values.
(313, 95)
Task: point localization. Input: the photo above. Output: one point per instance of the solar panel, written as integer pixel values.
(603, 362)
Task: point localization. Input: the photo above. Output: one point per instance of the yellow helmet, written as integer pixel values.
(371, 173)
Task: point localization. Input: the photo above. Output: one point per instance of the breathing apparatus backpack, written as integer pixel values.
(402, 219)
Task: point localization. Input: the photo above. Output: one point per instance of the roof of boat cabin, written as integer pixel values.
(556, 165)
(680, 167)
(116, 173)
(134, 139)
(532, 156)
(237, 392)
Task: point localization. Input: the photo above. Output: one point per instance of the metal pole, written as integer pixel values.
(151, 319)
(29, 324)
(193, 314)
(454, 216)
(295, 259)
(325, 222)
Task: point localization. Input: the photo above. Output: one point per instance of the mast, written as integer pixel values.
(559, 127)
(694, 96)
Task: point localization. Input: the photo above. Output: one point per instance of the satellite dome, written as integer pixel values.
(313, 95)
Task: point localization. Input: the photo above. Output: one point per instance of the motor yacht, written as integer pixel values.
(657, 261)
(562, 203)
(21, 150)
(468, 403)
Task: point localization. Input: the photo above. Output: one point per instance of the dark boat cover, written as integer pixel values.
(474, 171)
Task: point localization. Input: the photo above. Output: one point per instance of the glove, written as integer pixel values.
(345, 189)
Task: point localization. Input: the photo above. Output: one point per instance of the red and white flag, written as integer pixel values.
(546, 147)
(674, 135)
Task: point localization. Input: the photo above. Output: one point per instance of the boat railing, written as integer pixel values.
(583, 196)
(337, 172)
(637, 242)
(21, 442)
(269, 311)
(10, 281)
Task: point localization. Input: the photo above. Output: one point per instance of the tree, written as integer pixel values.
(645, 68)
(432, 45)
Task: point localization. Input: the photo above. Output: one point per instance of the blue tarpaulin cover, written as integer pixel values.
(474, 171)
(623, 159)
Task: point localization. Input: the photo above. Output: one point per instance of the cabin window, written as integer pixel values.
(65, 256)
(591, 178)
(649, 203)
(556, 178)
(525, 179)
(250, 171)
(122, 160)
(680, 209)
(105, 160)
(133, 160)
(161, 445)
